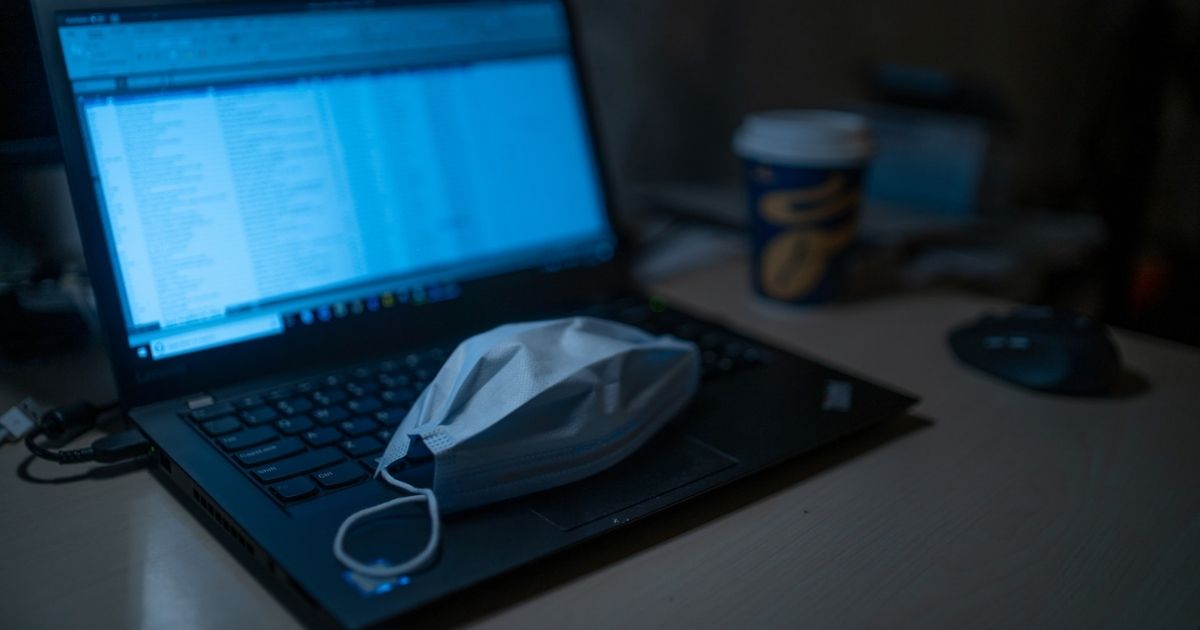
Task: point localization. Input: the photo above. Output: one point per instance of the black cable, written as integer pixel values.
(106, 450)
(62, 457)
(65, 423)
(106, 471)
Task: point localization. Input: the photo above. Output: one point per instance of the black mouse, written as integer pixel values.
(1041, 349)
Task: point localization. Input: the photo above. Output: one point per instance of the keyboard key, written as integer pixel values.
(270, 452)
(307, 387)
(248, 402)
(212, 412)
(259, 415)
(294, 489)
(365, 405)
(431, 359)
(710, 340)
(359, 389)
(221, 426)
(363, 372)
(329, 396)
(357, 447)
(401, 396)
(391, 365)
(392, 381)
(391, 417)
(294, 406)
(340, 475)
(734, 349)
(330, 415)
(370, 464)
(384, 435)
(279, 393)
(756, 355)
(292, 426)
(247, 438)
(322, 436)
(358, 426)
(308, 462)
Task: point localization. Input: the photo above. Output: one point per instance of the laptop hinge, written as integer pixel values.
(199, 400)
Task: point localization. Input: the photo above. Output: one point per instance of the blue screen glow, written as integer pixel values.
(239, 182)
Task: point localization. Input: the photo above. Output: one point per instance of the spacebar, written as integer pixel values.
(297, 465)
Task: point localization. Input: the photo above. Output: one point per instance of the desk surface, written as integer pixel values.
(990, 507)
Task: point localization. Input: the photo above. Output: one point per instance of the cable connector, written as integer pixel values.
(66, 422)
(119, 447)
(106, 450)
(19, 420)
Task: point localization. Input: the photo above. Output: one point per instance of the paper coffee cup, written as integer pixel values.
(804, 176)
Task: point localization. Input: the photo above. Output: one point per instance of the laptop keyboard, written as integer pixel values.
(325, 434)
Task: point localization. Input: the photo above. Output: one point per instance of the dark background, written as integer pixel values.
(1096, 106)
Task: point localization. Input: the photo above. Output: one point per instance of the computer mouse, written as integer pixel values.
(1041, 349)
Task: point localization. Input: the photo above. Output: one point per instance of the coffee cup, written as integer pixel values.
(804, 178)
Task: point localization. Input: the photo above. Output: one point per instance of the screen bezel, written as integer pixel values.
(485, 302)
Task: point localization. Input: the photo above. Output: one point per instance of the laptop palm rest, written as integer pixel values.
(669, 462)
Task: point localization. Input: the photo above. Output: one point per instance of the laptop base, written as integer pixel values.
(739, 423)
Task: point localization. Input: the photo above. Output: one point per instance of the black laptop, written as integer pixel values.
(293, 211)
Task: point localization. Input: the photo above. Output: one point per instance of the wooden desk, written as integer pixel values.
(991, 507)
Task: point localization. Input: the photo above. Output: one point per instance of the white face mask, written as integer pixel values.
(527, 407)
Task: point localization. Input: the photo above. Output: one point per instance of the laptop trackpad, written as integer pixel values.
(659, 467)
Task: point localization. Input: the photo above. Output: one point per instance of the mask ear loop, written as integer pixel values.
(391, 570)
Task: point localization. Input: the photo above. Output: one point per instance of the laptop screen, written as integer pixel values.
(259, 169)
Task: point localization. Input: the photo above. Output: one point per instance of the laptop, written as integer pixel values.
(293, 211)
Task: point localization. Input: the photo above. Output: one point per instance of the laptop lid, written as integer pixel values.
(270, 186)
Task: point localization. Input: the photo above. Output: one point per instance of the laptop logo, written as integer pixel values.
(839, 396)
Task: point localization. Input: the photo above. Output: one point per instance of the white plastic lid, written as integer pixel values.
(804, 137)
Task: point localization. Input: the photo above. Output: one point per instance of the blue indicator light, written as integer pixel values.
(370, 587)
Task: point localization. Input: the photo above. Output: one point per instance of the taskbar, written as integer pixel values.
(270, 324)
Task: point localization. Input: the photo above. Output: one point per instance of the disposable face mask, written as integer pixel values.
(527, 407)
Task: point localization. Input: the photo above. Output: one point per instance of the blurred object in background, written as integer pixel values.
(1142, 151)
(39, 225)
(1084, 198)
(935, 136)
(804, 172)
(676, 77)
(27, 132)
(45, 316)
(44, 294)
(929, 163)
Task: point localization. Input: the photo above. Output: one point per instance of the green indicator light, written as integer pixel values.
(657, 304)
